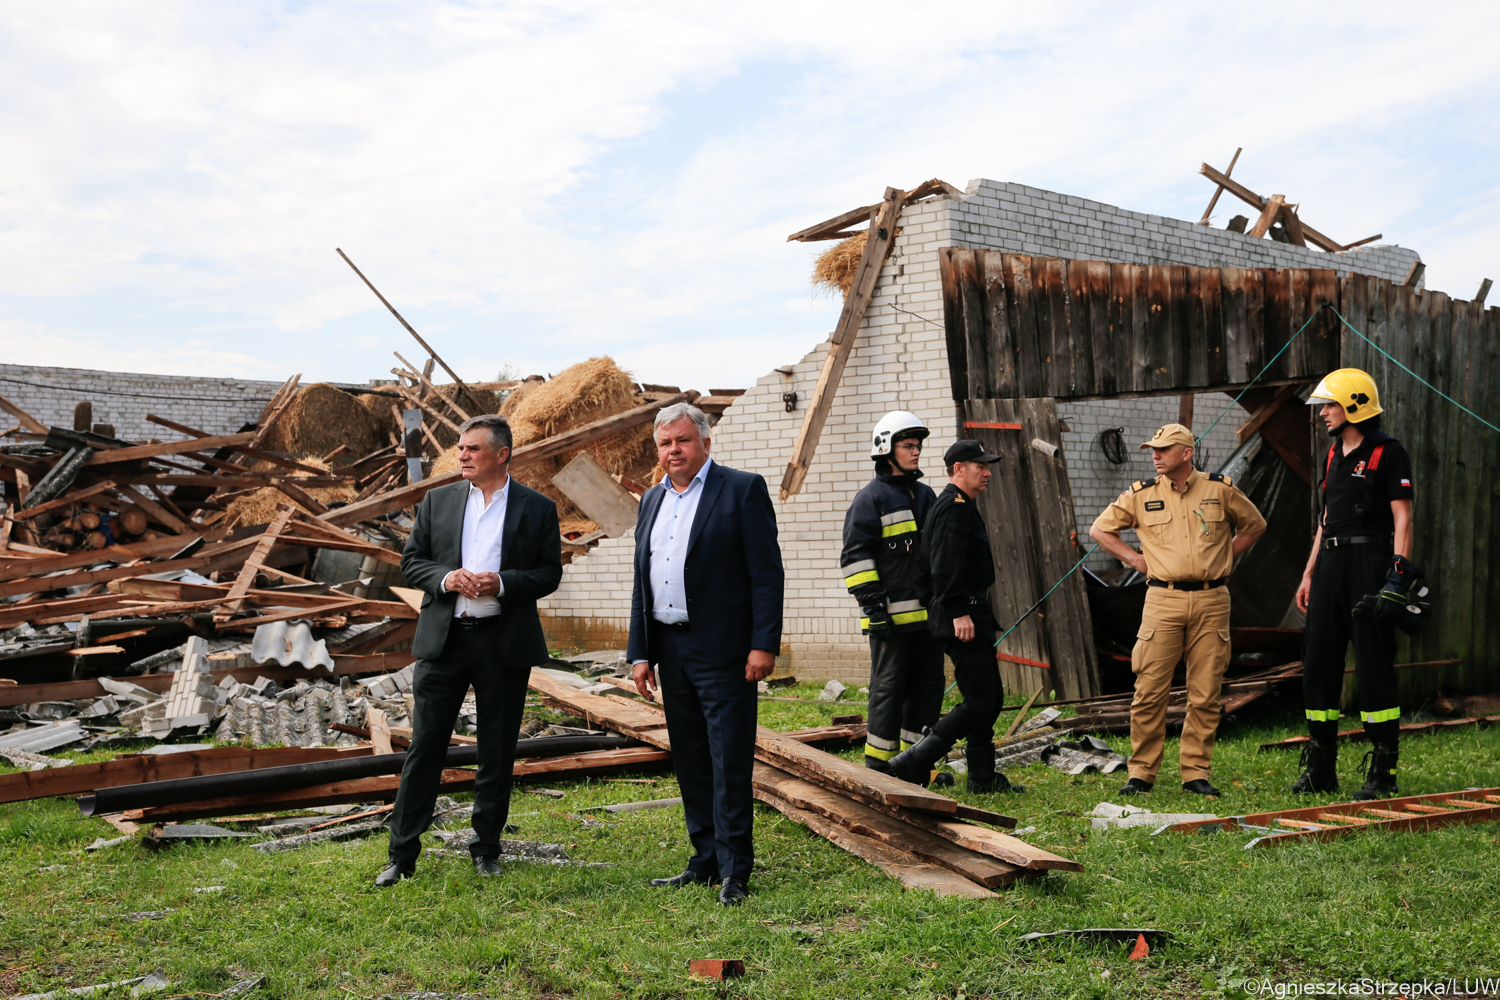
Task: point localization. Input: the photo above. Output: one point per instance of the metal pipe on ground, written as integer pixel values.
(265, 779)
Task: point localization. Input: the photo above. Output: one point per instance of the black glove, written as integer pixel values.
(881, 626)
(1396, 603)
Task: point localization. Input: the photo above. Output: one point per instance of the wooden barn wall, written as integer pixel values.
(1025, 328)
(1455, 345)
(1028, 510)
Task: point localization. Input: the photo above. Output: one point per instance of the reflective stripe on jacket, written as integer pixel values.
(884, 561)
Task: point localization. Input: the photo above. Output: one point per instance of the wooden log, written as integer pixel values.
(154, 510)
(861, 819)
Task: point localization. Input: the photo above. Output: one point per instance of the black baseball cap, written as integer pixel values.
(967, 450)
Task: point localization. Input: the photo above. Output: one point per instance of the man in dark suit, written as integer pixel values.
(706, 610)
(482, 551)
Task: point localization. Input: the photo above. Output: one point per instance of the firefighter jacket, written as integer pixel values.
(884, 561)
(963, 568)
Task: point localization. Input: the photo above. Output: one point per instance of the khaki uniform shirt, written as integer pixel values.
(1184, 536)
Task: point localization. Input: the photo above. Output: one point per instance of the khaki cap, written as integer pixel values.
(1170, 434)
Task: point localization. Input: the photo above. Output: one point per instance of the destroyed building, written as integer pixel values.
(901, 360)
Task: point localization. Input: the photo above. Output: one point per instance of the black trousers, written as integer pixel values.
(1341, 577)
(906, 691)
(470, 657)
(711, 718)
(978, 677)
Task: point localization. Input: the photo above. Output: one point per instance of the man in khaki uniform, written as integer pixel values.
(1191, 526)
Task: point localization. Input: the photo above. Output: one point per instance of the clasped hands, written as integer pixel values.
(758, 666)
(473, 585)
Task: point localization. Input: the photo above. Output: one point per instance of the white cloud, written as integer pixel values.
(534, 182)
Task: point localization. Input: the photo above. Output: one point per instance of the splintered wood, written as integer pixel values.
(911, 833)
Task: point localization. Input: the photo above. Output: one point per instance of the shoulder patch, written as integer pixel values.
(959, 499)
(1139, 485)
(1220, 478)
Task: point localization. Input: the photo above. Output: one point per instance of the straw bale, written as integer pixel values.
(385, 420)
(445, 435)
(581, 394)
(260, 507)
(322, 417)
(834, 269)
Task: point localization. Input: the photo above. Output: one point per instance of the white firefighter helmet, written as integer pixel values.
(896, 424)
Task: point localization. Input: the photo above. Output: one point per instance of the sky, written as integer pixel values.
(532, 184)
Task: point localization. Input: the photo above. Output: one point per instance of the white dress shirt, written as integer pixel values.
(484, 527)
(669, 538)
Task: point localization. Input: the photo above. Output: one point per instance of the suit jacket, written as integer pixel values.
(530, 569)
(732, 575)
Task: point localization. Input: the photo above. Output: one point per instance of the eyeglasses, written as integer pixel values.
(910, 446)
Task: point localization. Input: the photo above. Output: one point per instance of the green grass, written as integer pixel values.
(820, 923)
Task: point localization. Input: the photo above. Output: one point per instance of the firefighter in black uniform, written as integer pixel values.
(962, 571)
(1357, 585)
(884, 565)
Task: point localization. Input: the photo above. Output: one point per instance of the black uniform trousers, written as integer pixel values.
(906, 691)
(470, 656)
(711, 718)
(1340, 578)
(978, 677)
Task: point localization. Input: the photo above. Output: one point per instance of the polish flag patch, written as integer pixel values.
(1406, 482)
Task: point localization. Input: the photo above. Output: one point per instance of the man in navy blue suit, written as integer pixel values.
(706, 611)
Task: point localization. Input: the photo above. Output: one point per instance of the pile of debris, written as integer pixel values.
(920, 838)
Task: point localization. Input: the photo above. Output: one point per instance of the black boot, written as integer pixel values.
(1319, 773)
(1380, 777)
(983, 778)
(914, 764)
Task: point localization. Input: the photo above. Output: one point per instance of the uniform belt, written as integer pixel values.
(673, 626)
(1339, 541)
(1189, 584)
(469, 622)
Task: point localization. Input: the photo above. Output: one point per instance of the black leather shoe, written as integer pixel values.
(487, 866)
(1136, 786)
(394, 873)
(1199, 786)
(733, 892)
(686, 878)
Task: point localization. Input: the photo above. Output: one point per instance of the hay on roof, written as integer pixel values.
(320, 418)
(834, 269)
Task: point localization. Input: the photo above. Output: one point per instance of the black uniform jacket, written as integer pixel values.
(884, 562)
(530, 569)
(963, 568)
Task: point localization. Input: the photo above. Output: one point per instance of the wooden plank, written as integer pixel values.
(76, 496)
(861, 819)
(418, 375)
(297, 494)
(1030, 346)
(14, 614)
(235, 599)
(134, 453)
(1268, 216)
(877, 249)
(156, 511)
(1219, 188)
(1080, 326)
(27, 420)
(602, 500)
(845, 777)
(296, 614)
(34, 585)
(132, 769)
(908, 869)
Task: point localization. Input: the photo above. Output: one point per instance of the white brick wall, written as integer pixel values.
(216, 405)
(900, 362)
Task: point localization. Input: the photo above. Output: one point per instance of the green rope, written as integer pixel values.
(1236, 400)
(1027, 613)
(1413, 374)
